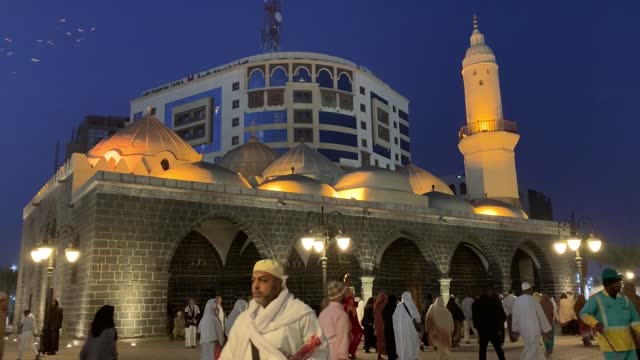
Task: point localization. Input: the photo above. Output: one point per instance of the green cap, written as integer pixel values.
(610, 274)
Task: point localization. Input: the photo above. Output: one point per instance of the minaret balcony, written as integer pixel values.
(481, 126)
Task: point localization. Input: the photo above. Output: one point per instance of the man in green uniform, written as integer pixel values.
(613, 315)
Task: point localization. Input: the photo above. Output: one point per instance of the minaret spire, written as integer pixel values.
(475, 22)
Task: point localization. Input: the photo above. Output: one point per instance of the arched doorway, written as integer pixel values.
(529, 263)
(403, 268)
(236, 281)
(523, 268)
(470, 271)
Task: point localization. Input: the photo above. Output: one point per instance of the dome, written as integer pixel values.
(497, 208)
(376, 184)
(304, 161)
(478, 50)
(423, 181)
(442, 201)
(205, 173)
(250, 159)
(298, 184)
(148, 137)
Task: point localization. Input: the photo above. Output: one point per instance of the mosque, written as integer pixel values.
(185, 199)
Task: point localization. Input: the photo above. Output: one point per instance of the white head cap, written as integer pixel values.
(526, 286)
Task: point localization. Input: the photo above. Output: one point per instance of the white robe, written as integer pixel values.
(530, 322)
(406, 337)
(277, 331)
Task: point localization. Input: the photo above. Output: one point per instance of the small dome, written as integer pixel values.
(439, 200)
(377, 184)
(423, 181)
(298, 184)
(304, 161)
(148, 137)
(205, 173)
(497, 208)
(250, 159)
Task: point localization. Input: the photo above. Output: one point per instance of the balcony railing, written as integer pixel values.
(488, 126)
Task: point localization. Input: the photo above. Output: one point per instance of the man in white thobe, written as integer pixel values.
(27, 344)
(406, 336)
(507, 303)
(275, 326)
(467, 309)
(529, 320)
(191, 313)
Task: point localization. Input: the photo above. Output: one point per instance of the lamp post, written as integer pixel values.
(322, 229)
(576, 240)
(46, 250)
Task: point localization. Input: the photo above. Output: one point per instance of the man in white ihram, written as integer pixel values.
(275, 326)
(530, 321)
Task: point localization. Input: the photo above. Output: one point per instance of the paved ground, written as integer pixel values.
(567, 348)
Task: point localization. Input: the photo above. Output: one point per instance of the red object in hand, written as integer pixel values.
(307, 349)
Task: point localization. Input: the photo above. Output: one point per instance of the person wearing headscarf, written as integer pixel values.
(50, 341)
(389, 334)
(324, 303)
(356, 329)
(211, 332)
(458, 320)
(276, 325)
(407, 336)
(423, 315)
(629, 290)
(368, 325)
(531, 322)
(238, 308)
(440, 328)
(102, 339)
(378, 324)
(335, 322)
(583, 329)
(549, 311)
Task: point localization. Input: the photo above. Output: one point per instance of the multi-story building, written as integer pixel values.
(92, 130)
(333, 105)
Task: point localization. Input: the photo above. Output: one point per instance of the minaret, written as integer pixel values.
(488, 141)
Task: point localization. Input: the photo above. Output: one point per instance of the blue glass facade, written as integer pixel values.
(216, 116)
(404, 130)
(405, 160)
(403, 115)
(268, 136)
(344, 83)
(330, 118)
(335, 137)
(335, 155)
(382, 151)
(265, 117)
(404, 145)
(278, 77)
(256, 80)
(376, 96)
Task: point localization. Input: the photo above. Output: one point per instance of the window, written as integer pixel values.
(256, 80)
(301, 74)
(303, 116)
(383, 117)
(235, 140)
(265, 118)
(404, 145)
(397, 157)
(362, 90)
(303, 97)
(403, 115)
(269, 136)
(324, 79)
(256, 99)
(377, 163)
(336, 155)
(304, 135)
(190, 116)
(480, 83)
(235, 104)
(463, 188)
(165, 164)
(338, 137)
(363, 142)
(363, 125)
(192, 121)
(395, 124)
(395, 141)
(383, 133)
(192, 133)
(346, 102)
(278, 77)
(235, 122)
(152, 111)
(344, 82)
(331, 118)
(235, 86)
(275, 97)
(328, 98)
(363, 107)
(404, 130)
(394, 108)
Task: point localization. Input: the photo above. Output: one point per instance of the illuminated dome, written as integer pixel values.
(377, 184)
(423, 181)
(304, 161)
(442, 201)
(205, 173)
(497, 208)
(146, 137)
(298, 184)
(250, 159)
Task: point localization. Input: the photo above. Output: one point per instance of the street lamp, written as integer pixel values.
(322, 229)
(576, 240)
(46, 250)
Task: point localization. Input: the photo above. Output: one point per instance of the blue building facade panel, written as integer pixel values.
(335, 137)
(403, 115)
(265, 118)
(404, 145)
(268, 136)
(404, 130)
(216, 117)
(382, 151)
(335, 155)
(331, 118)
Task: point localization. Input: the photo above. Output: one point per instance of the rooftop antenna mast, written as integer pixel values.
(272, 22)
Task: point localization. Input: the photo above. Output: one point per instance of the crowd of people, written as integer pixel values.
(272, 324)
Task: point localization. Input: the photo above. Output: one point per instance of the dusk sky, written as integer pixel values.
(568, 72)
